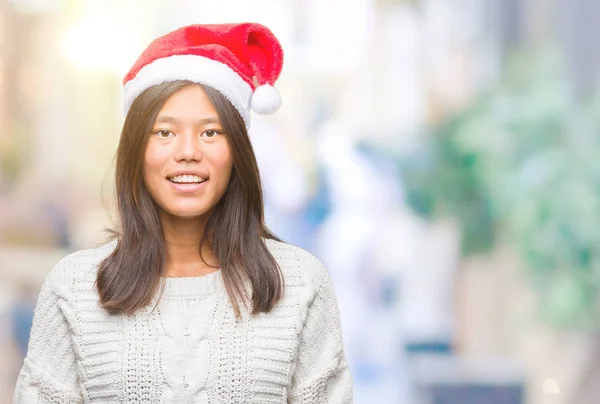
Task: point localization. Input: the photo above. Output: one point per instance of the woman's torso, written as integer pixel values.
(189, 347)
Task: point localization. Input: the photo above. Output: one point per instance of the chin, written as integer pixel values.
(186, 213)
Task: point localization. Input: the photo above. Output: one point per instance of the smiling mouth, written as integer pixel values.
(187, 179)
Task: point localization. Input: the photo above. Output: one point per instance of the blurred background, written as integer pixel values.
(441, 157)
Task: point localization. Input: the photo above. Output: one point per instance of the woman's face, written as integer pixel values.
(187, 163)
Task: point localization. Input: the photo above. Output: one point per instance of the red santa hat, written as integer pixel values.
(242, 61)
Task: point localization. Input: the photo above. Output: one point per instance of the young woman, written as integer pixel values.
(194, 301)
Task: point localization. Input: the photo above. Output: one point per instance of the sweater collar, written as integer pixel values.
(194, 286)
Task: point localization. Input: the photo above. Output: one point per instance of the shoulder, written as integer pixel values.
(78, 267)
(296, 261)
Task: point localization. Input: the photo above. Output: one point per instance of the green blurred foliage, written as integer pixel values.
(523, 164)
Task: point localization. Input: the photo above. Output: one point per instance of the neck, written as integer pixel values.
(182, 239)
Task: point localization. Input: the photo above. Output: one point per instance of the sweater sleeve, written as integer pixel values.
(322, 375)
(49, 372)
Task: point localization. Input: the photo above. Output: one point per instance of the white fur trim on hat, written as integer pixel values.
(198, 69)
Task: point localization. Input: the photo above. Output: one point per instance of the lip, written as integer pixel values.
(187, 188)
(188, 172)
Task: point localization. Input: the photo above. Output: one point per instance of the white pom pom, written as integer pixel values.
(266, 99)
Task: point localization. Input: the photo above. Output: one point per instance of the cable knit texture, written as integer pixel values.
(190, 348)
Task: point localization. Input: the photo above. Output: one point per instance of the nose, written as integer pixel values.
(188, 147)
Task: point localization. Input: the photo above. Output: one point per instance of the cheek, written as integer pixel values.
(154, 161)
(224, 165)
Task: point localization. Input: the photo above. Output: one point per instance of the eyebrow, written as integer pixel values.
(170, 119)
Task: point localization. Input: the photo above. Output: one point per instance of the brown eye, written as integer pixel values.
(163, 133)
(210, 133)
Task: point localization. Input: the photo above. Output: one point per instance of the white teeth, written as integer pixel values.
(187, 179)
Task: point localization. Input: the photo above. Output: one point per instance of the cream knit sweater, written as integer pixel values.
(191, 348)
